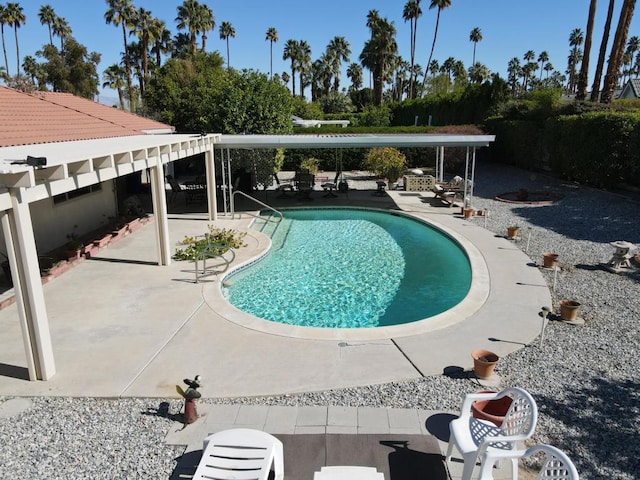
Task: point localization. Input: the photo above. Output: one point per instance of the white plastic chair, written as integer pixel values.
(473, 437)
(556, 466)
(240, 454)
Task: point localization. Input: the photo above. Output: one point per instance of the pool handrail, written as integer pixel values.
(268, 207)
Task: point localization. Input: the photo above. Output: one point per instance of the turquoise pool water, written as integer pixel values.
(351, 268)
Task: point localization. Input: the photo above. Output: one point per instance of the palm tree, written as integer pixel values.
(304, 63)
(285, 78)
(16, 18)
(195, 18)
(617, 50)
(291, 53)
(475, 36)
(543, 58)
(378, 51)
(161, 39)
(584, 68)
(478, 73)
(411, 13)
(226, 31)
(595, 88)
(441, 4)
(272, 37)
(339, 51)
(576, 39)
(114, 77)
(121, 12)
(62, 30)
(142, 25)
(514, 72)
(4, 20)
(354, 72)
(47, 16)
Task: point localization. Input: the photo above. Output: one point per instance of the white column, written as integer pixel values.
(212, 190)
(159, 202)
(28, 288)
(466, 180)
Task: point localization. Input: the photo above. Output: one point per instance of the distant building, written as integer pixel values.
(631, 89)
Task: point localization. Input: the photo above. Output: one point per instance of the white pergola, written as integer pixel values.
(78, 164)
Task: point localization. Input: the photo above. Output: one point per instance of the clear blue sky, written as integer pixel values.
(509, 28)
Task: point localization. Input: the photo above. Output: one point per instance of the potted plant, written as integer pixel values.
(491, 410)
(484, 363)
(512, 231)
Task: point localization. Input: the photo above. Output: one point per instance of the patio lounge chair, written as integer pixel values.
(240, 453)
(447, 196)
(474, 437)
(556, 465)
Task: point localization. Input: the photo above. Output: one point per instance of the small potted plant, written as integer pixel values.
(512, 231)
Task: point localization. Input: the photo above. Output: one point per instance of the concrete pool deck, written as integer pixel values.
(122, 326)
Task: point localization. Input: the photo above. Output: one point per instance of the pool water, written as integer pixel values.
(351, 268)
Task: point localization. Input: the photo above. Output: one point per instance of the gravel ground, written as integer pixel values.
(585, 379)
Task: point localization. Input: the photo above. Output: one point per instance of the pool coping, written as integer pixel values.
(474, 300)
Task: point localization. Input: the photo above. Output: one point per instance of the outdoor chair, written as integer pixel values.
(556, 466)
(304, 183)
(474, 437)
(447, 196)
(176, 188)
(240, 453)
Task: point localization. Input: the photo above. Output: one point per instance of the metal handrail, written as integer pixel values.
(268, 207)
(207, 253)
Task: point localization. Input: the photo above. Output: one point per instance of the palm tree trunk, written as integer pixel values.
(15, 32)
(595, 88)
(433, 45)
(584, 68)
(4, 49)
(50, 34)
(127, 65)
(228, 59)
(121, 98)
(617, 51)
(271, 59)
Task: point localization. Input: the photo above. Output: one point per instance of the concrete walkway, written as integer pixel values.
(124, 327)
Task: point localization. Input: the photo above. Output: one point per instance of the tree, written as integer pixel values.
(354, 72)
(475, 36)
(121, 13)
(34, 71)
(595, 88)
(161, 39)
(72, 71)
(47, 16)
(196, 19)
(378, 51)
(226, 31)
(543, 58)
(338, 50)
(62, 29)
(115, 77)
(584, 68)
(617, 50)
(514, 72)
(304, 63)
(291, 53)
(576, 39)
(272, 37)
(197, 94)
(143, 23)
(4, 20)
(411, 13)
(440, 4)
(16, 18)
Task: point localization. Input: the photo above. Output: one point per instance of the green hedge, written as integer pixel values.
(600, 149)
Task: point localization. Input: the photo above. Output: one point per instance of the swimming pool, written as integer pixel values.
(351, 268)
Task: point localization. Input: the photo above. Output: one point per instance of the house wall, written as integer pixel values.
(53, 222)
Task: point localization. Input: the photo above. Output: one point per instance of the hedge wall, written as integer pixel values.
(601, 149)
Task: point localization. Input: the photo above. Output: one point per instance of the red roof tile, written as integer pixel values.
(43, 117)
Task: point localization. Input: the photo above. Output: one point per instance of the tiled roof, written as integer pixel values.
(44, 117)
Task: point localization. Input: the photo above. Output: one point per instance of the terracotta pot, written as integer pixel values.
(491, 410)
(512, 232)
(484, 362)
(467, 212)
(569, 310)
(550, 260)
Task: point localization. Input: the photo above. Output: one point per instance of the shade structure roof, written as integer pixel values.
(354, 141)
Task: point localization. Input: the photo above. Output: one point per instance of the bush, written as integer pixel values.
(385, 162)
(220, 236)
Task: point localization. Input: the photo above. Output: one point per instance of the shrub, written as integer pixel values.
(219, 236)
(385, 162)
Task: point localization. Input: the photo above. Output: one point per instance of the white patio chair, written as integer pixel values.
(240, 454)
(473, 437)
(556, 466)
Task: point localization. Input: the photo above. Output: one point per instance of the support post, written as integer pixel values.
(159, 202)
(28, 287)
(210, 169)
